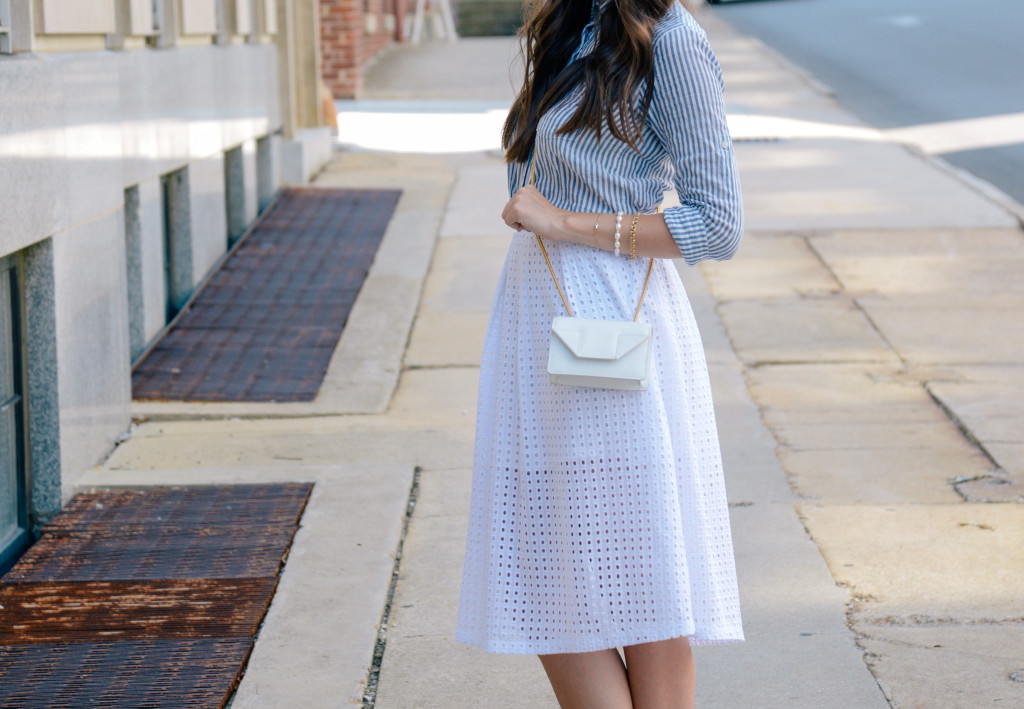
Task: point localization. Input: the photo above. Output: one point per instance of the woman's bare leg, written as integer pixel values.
(588, 680)
(661, 674)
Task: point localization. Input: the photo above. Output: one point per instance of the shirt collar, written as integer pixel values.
(596, 7)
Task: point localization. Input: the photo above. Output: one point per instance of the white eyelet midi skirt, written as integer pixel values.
(598, 517)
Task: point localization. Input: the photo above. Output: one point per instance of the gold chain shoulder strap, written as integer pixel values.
(551, 270)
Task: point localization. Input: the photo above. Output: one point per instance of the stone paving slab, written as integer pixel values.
(851, 184)
(916, 563)
(790, 622)
(456, 300)
(423, 665)
(309, 441)
(770, 265)
(1003, 485)
(947, 335)
(478, 197)
(993, 411)
(856, 433)
(439, 395)
(839, 393)
(790, 607)
(803, 330)
(872, 436)
(989, 403)
(1010, 457)
(896, 475)
(949, 666)
(446, 339)
(464, 274)
(947, 266)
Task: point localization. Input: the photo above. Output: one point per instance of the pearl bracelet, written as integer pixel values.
(618, 232)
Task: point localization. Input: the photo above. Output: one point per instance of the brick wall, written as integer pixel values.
(352, 33)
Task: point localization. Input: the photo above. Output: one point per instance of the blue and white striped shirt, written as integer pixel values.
(685, 144)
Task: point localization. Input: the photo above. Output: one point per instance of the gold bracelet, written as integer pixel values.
(632, 237)
(597, 223)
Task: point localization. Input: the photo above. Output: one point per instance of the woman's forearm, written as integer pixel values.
(653, 237)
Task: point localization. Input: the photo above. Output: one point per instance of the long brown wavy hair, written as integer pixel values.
(611, 75)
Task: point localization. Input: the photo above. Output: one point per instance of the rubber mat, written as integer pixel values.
(266, 324)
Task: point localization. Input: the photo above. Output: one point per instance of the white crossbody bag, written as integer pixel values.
(605, 354)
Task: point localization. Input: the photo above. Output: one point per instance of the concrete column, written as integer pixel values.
(146, 270)
(307, 144)
(133, 271)
(234, 188)
(43, 410)
(178, 250)
(268, 173)
(298, 43)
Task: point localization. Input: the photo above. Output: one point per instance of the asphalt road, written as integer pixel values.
(952, 68)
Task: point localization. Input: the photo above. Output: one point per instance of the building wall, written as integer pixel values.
(352, 33)
(88, 141)
(93, 365)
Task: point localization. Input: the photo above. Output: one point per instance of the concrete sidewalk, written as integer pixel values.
(865, 351)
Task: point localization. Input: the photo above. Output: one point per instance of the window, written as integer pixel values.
(5, 26)
(14, 502)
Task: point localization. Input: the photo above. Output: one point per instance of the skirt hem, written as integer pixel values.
(555, 647)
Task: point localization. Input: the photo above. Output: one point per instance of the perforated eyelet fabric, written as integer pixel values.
(598, 517)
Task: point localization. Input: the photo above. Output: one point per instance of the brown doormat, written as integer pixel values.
(149, 598)
(266, 324)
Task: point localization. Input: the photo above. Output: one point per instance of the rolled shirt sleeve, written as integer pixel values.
(687, 115)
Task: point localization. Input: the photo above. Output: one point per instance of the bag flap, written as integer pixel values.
(599, 339)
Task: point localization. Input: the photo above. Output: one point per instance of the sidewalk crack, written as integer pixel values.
(373, 678)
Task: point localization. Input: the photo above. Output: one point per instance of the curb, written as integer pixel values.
(981, 186)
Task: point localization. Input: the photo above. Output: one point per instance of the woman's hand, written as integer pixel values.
(529, 210)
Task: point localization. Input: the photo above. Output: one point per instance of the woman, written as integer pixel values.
(598, 517)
